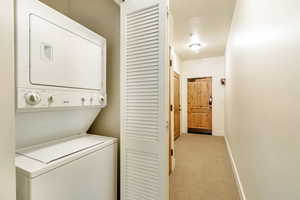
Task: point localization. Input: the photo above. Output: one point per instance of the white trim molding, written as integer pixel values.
(218, 133)
(235, 172)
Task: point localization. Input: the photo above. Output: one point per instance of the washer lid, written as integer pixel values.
(53, 152)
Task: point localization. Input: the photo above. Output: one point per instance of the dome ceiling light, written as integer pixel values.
(195, 44)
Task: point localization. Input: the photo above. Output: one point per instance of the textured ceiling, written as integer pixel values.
(210, 19)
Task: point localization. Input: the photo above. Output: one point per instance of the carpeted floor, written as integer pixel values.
(203, 170)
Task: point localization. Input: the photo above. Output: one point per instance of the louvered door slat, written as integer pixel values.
(138, 48)
(142, 13)
(138, 54)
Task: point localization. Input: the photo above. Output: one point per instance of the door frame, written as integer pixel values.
(187, 106)
(172, 118)
(171, 114)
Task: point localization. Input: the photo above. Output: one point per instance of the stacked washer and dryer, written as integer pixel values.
(61, 88)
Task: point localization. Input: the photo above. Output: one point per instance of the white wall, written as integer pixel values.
(209, 67)
(174, 56)
(263, 97)
(7, 135)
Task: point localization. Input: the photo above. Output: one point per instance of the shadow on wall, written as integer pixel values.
(102, 17)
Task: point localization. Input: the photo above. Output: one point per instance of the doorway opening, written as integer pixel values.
(200, 105)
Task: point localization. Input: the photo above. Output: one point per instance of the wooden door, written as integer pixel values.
(177, 109)
(200, 105)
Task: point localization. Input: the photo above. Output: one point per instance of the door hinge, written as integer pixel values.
(171, 107)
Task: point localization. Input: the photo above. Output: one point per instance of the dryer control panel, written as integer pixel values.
(60, 63)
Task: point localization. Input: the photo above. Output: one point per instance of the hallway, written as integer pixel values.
(203, 170)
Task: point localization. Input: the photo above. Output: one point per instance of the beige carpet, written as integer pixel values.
(203, 170)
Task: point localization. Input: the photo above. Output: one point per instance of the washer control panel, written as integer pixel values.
(35, 98)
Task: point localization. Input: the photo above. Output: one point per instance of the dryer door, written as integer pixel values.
(59, 57)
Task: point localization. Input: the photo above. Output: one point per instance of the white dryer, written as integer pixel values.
(60, 74)
(77, 168)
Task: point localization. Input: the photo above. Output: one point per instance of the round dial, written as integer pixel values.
(32, 98)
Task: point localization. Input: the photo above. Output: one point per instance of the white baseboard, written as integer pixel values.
(235, 172)
(218, 133)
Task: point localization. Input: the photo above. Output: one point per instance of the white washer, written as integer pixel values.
(81, 167)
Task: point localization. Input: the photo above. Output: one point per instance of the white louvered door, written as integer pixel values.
(144, 100)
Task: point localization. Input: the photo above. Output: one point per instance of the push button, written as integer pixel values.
(50, 99)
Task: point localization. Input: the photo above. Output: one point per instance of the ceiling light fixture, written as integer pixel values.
(195, 44)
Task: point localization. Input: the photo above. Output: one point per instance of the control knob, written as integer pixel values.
(32, 98)
(101, 99)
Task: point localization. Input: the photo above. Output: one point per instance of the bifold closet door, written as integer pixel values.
(144, 100)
